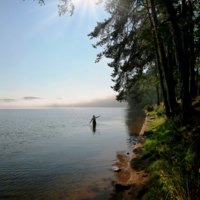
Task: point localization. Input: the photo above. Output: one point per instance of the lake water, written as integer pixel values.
(55, 154)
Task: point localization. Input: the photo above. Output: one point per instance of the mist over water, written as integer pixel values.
(56, 153)
(37, 102)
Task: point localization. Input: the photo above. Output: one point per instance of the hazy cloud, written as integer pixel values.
(31, 98)
(36, 102)
(107, 102)
(7, 100)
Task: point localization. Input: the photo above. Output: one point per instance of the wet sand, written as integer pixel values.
(133, 173)
(138, 176)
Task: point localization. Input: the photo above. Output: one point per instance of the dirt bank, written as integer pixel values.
(135, 167)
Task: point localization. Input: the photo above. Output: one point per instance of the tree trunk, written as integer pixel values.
(171, 65)
(192, 54)
(197, 79)
(157, 88)
(158, 98)
(164, 94)
(169, 83)
(185, 34)
(161, 96)
(183, 68)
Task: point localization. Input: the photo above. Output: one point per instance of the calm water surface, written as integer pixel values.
(56, 154)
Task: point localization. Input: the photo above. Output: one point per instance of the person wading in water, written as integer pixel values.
(94, 119)
(94, 122)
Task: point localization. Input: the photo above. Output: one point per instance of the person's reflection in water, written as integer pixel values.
(94, 130)
(94, 127)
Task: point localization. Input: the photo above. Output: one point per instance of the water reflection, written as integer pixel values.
(122, 159)
(134, 120)
(57, 157)
(94, 129)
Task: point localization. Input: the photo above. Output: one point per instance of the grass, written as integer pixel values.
(172, 157)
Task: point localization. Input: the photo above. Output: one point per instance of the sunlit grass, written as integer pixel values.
(171, 157)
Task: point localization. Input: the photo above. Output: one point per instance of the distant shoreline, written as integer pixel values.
(59, 107)
(36, 102)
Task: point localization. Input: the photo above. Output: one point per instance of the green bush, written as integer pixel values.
(148, 108)
(160, 111)
(171, 155)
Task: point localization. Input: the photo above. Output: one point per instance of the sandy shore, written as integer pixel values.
(138, 176)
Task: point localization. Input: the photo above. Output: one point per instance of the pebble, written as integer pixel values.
(116, 169)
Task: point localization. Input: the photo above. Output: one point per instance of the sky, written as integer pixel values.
(47, 58)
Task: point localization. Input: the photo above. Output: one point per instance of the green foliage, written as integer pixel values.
(196, 102)
(160, 110)
(126, 38)
(148, 108)
(140, 36)
(171, 155)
